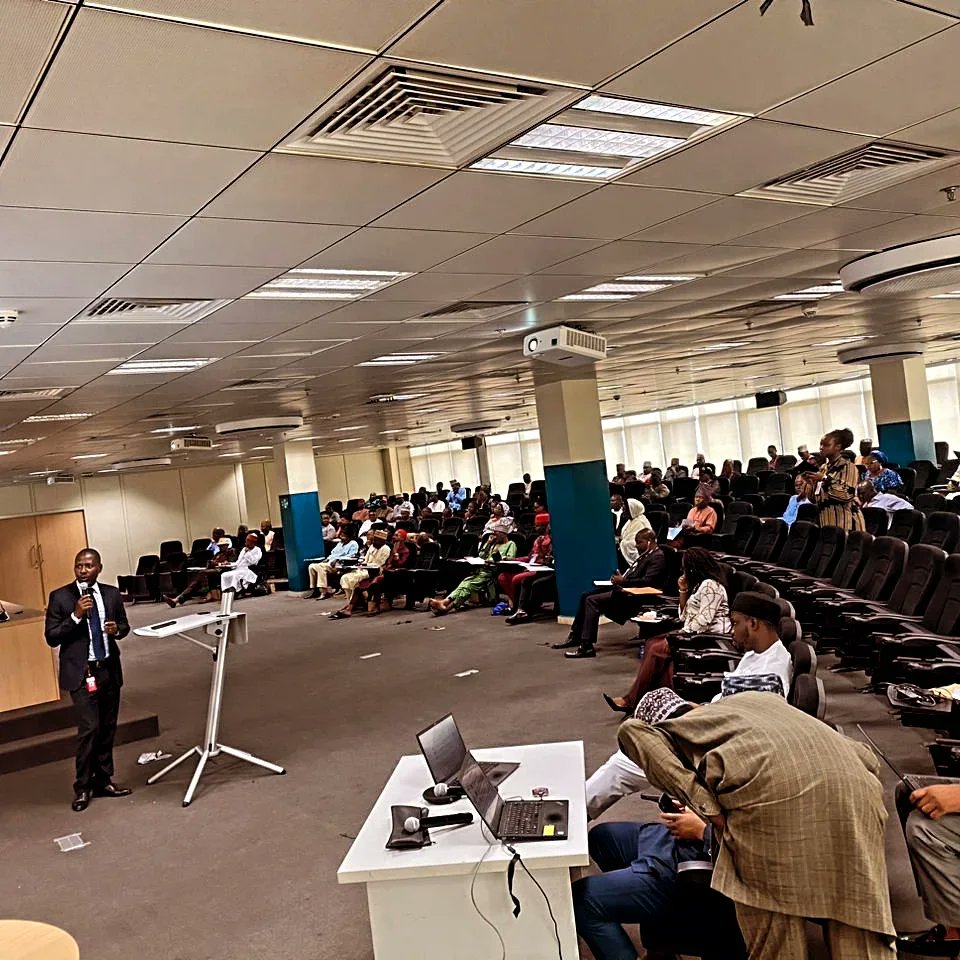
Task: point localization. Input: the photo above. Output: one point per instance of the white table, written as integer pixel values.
(419, 900)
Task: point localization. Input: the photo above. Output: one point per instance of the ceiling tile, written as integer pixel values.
(745, 156)
(920, 195)
(113, 332)
(907, 230)
(539, 287)
(942, 131)
(29, 30)
(46, 168)
(246, 243)
(517, 255)
(5, 134)
(441, 286)
(135, 77)
(815, 263)
(320, 190)
(621, 257)
(711, 259)
(201, 283)
(776, 57)
(613, 212)
(854, 104)
(723, 220)
(25, 279)
(373, 248)
(488, 202)
(34, 311)
(575, 43)
(374, 311)
(825, 224)
(32, 234)
(333, 21)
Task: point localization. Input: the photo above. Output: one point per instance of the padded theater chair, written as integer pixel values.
(942, 530)
(746, 531)
(768, 546)
(876, 520)
(168, 547)
(857, 546)
(799, 545)
(820, 564)
(735, 510)
(908, 525)
(809, 512)
(809, 696)
(142, 585)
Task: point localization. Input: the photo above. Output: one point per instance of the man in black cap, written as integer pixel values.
(756, 624)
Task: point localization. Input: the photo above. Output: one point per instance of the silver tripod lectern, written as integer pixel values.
(228, 628)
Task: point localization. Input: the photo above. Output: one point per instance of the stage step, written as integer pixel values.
(48, 732)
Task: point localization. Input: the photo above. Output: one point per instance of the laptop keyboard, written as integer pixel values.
(520, 818)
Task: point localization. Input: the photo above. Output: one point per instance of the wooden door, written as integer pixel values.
(60, 537)
(22, 581)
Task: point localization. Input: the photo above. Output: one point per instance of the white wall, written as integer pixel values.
(350, 475)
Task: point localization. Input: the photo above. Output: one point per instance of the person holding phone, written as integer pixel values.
(85, 619)
(834, 488)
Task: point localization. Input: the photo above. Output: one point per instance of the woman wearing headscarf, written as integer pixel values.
(519, 586)
(480, 586)
(382, 589)
(376, 556)
(498, 511)
(834, 488)
(628, 536)
(884, 479)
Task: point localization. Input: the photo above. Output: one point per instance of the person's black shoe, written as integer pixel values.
(581, 653)
(112, 789)
(567, 644)
(929, 944)
(314, 594)
(614, 706)
(81, 801)
(515, 618)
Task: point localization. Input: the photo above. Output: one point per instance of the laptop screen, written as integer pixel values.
(482, 793)
(443, 749)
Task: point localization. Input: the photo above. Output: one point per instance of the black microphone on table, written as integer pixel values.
(441, 793)
(413, 824)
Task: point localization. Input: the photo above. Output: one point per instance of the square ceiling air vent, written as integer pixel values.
(49, 394)
(472, 310)
(410, 114)
(118, 309)
(854, 174)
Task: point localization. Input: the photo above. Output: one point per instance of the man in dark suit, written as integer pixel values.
(85, 619)
(646, 571)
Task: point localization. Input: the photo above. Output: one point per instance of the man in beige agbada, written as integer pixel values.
(800, 815)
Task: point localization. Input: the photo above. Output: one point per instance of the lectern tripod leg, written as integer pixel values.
(175, 763)
(201, 763)
(250, 758)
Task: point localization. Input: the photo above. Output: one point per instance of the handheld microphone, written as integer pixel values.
(440, 789)
(413, 824)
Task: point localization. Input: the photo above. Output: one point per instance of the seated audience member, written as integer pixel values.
(479, 588)
(470, 511)
(523, 584)
(538, 507)
(498, 511)
(206, 582)
(638, 883)
(456, 497)
(866, 448)
(628, 535)
(656, 488)
(774, 459)
(702, 518)
(327, 525)
(793, 506)
(527, 485)
(880, 475)
(727, 469)
(266, 528)
(345, 549)
(427, 514)
(756, 625)
(540, 553)
(931, 825)
(375, 557)
(806, 460)
(709, 484)
(671, 472)
(762, 771)
(405, 508)
(698, 466)
(611, 602)
(216, 542)
(372, 502)
(703, 609)
(481, 500)
(620, 516)
(644, 475)
(403, 556)
(869, 497)
(737, 468)
(435, 504)
(242, 575)
(620, 477)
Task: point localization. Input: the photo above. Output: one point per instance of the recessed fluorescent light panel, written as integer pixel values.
(20, 441)
(88, 456)
(952, 295)
(399, 360)
(176, 429)
(819, 292)
(601, 138)
(57, 417)
(843, 341)
(316, 284)
(626, 288)
(160, 366)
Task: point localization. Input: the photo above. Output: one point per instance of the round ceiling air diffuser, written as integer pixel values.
(260, 425)
(878, 352)
(928, 267)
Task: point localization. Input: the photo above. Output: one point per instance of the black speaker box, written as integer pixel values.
(775, 398)
(471, 443)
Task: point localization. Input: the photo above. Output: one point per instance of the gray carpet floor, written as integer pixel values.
(249, 870)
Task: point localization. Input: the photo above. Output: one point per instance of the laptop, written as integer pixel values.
(445, 752)
(912, 780)
(513, 821)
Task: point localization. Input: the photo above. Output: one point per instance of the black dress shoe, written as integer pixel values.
(515, 618)
(112, 790)
(614, 706)
(567, 644)
(81, 801)
(581, 653)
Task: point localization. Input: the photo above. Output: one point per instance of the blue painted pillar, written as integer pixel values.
(901, 403)
(578, 498)
(299, 509)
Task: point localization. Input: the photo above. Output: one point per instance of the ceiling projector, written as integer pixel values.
(565, 345)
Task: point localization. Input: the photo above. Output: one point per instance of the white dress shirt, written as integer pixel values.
(98, 600)
(775, 659)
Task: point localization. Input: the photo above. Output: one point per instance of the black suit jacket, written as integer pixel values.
(73, 639)
(648, 571)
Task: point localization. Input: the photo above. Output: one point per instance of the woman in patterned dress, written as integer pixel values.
(834, 488)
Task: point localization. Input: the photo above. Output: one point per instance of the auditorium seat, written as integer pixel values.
(684, 488)
(800, 543)
(808, 512)
(925, 473)
(170, 546)
(678, 511)
(744, 539)
(876, 520)
(743, 484)
(634, 489)
(775, 505)
(908, 525)
(942, 530)
(856, 548)
(822, 561)
(769, 545)
(909, 477)
(809, 696)
(141, 585)
(756, 464)
(928, 503)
